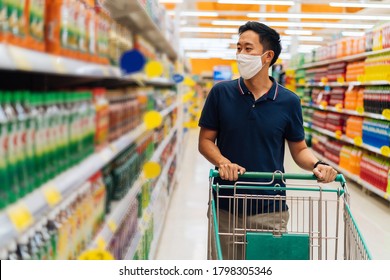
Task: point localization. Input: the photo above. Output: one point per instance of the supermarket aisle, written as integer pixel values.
(184, 235)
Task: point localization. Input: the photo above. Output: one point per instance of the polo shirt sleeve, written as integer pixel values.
(209, 118)
(294, 129)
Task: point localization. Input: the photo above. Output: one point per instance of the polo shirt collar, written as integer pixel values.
(271, 94)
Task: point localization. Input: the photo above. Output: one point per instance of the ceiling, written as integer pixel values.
(208, 29)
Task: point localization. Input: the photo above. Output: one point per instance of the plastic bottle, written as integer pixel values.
(14, 169)
(4, 182)
(36, 22)
(23, 250)
(52, 227)
(12, 251)
(23, 134)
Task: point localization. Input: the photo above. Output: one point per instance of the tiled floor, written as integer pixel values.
(185, 232)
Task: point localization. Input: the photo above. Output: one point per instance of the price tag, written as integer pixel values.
(113, 148)
(101, 243)
(20, 59)
(360, 110)
(324, 104)
(112, 226)
(358, 141)
(324, 80)
(361, 78)
(301, 81)
(105, 157)
(385, 150)
(20, 216)
(386, 196)
(386, 114)
(338, 134)
(105, 71)
(58, 65)
(339, 107)
(52, 195)
(340, 79)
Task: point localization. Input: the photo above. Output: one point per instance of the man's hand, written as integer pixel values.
(229, 171)
(325, 173)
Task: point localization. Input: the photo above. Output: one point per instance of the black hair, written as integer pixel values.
(269, 38)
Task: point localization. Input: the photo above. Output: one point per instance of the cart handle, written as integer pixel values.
(278, 175)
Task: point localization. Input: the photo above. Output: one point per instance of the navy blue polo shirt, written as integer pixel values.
(251, 132)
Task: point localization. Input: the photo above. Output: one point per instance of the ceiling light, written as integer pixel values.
(198, 14)
(208, 29)
(318, 16)
(298, 32)
(298, 24)
(352, 33)
(254, 2)
(359, 5)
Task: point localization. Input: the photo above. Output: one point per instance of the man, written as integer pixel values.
(244, 126)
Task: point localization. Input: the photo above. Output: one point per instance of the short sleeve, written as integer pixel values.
(209, 117)
(294, 130)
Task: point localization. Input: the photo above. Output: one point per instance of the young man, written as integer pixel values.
(244, 126)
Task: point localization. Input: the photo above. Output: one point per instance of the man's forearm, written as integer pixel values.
(212, 153)
(305, 159)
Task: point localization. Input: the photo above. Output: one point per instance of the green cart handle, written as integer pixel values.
(278, 175)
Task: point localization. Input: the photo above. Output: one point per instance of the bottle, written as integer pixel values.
(52, 227)
(12, 251)
(15, 181)
(4, 175)
(23, 250)
(23, 123)
(33, 248)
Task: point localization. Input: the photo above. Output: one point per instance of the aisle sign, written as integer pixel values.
(20, 216)
(52, 195)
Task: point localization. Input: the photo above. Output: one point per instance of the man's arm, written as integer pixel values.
(306, 160)
(227, 169)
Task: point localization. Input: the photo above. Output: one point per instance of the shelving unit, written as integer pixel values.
(355, 178)
(69, 181)
(117, 214)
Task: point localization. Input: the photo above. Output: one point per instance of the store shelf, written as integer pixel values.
(346, 139)
(148, 212)
(64, 184)
(354, 177)
(20, 59)
(132, 14)
(120, 208)
(342, 59)
(348, 84)
(344, 111)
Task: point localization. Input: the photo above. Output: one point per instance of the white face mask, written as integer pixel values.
(249, 65)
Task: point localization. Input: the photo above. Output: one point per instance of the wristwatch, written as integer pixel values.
(320, 162)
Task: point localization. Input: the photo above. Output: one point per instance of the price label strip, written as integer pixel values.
(52, 195)
(20, 216)
(338, 134)
(385, 150)
(58, 65)
(386, 114)
(20, 59)
(112, 226)
(358, 141)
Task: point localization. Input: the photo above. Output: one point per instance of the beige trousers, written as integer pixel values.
(233, 249)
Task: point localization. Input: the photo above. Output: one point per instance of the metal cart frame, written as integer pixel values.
(321, 225)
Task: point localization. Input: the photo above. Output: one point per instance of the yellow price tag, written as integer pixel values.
(96, 254)
(151, 170)
(101, 243)
(339, 107)
(52, 195)
(324, 80)
(20, 216)
(386, 114)
(358, 141)
(338, 134)
(112, 226)
(386, 196)
(20, 59)
(340, 79)
(360, 110)
(301, 81)
(385, 150)
(324, 104)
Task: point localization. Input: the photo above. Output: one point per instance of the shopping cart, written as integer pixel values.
(317, 225)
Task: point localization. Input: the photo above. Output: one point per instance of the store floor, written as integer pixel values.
(185, 232)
